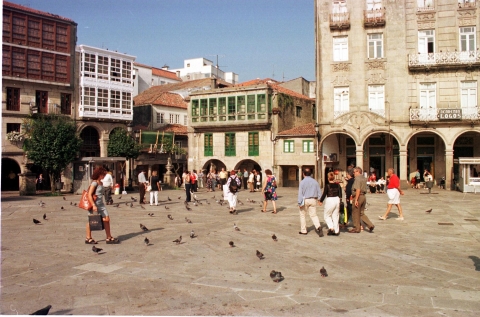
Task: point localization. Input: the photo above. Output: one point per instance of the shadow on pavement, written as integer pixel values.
(127, 236)
(476, 262)
(17, 198)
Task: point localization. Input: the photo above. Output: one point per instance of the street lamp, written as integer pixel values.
(130, 183)
(317, 138)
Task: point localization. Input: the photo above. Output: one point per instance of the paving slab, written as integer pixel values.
(413, 267)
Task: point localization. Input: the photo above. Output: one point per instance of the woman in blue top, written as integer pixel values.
(96, 188)
(269, 191)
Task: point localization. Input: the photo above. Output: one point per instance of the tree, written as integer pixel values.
(121, 144)
(52, 143)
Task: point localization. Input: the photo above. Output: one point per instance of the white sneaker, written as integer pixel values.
(399, 218)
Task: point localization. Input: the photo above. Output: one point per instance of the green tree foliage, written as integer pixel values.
(52, 143)
(121, 144)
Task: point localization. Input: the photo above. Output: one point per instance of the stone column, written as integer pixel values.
(359, 158)
(104, 144)
(403, 175)
(28, 185)
(448, 168)
(300, 173)
(169, 177)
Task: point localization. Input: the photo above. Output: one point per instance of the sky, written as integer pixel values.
(252, 38)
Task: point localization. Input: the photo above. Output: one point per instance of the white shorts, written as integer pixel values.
(393, 196)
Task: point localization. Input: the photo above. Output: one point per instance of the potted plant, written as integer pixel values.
(15, 137)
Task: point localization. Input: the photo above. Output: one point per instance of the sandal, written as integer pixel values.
(90, 241)
(274, 212)
(263, 210)
(112, 240)
(382, 218)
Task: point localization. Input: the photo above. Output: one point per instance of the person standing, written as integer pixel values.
(251, 180)
(107, 183)
(393, 193)
(309, 193)
(417, 178)
(188, 186)
(155, 183)
(223, 177)
(348, 195)
(209, 182)
(359, 189)
(193, 180)
(332, 195)
(96, 188)
(233, 185)
(245, 178)
(257, 181)
(142, 185)
(40, 182)
(200, 180)
(269, 191)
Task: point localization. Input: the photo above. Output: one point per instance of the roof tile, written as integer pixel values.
(303, 130)
(27, 9)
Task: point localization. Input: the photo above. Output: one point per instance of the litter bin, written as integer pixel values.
(117, 189)
(429, 185)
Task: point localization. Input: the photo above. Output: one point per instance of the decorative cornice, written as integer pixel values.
(376, 78)
(360, 120)
(425, 25)
(427, 16)
(468, 21)
(341, 81)
(375, 65)
(467, 12)
(341, 67)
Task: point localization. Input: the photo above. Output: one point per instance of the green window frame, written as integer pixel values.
(261, 103)
(230, 144)
(251, 103)
(232, 107)
(212, 106)
(253, 144)
(289, 146)
(241, 107)
(308, 146)
(195, 107)
(203, 107)
(208, 144)
(222, 105)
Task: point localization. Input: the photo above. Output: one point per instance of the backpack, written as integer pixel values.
(233, 185)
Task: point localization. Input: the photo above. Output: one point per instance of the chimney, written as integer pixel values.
(213, 84)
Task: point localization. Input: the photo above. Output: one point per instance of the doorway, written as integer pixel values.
(425, 163)
(377, 163)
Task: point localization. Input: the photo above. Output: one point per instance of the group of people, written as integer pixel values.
(310, 195)
(416, 180)
(376, 186)
(249, 180)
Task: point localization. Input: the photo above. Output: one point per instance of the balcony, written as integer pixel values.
(444, 114)
(444, 60)
(253, 119)
(105, 113)
(426, 8)
(467, 4)
(339, 21)
(374, 18)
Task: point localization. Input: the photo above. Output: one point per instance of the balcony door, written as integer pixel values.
(426, 46)
(374, 9)
(468, 44)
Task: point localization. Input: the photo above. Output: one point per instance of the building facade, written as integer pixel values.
(38, 75)
(147, 76)
(397, 85)
(198, 68)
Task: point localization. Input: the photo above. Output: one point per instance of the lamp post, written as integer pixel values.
(317, 138)
(130, 163)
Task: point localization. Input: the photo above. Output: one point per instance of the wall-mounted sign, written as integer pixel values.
(449, 114)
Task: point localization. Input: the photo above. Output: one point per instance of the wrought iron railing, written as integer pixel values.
(339, 20)
(374, 17)
(467, 4)
(433, 114)
(444, 58)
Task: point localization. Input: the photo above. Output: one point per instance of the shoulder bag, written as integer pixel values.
(149, 187)
(84, 202)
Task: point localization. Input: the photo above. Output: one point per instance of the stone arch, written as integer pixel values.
(213, 163)
(248, 164)
(10, 171)
(91, 142)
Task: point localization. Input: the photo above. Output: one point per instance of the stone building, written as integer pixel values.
(397, 85)
(38, 77)
(199, 68)
(251, 126)
(146, 76)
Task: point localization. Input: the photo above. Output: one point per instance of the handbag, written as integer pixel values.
(149, 186)
(95, 221)
(84, 202)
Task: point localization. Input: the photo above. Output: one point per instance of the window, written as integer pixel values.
(66, 103)
(19, 29)
(222, 105)
(102, 100)
(185, 120)
(375, 45)
(126, 72)
(33, 32)
(261, 103)
(47, 67)
(177, 118)
(208, 144)
(289, 146)
(341, 99)
(13, 127)
(160, 117)
(466, 3)
(126, 103)
(241, 107)
(314, 112)
(426, 41)
(340, 48)
(374, 4)
(230, 144)
(425, 5)
(469, 94)
(195, 107)
(61, 68)
(41, 100)
(428, 96)
(376, 97)
(203, 107)
(253, 144)
(251, 103)
(102, 67)
(89, 65)
(114, 101)
(467, 39)
(308, 146)
(48, 35)
(19, 62)
(171, 118)
(115, 73)
(298, 111)
(88, 99)
(212, 106)
(62, 38)
(13, 99)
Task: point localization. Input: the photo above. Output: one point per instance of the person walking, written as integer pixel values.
(142, 185)
(269, 191)
(233, 185)
(332, 195)
(96, 188)
(245, 179)
(155, 183)
(393, 193)
(107, 183)
(359, 189)
(348, 196)
(309, 193)
(251, 180)
(188, 186)
(209, 182)
(257, 181)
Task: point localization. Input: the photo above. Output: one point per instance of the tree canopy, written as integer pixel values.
(121, 144)
(52, 143)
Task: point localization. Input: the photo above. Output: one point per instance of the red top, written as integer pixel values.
(394, 182)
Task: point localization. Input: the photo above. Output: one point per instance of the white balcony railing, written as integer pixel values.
(444, 58)
(467, 3)
(433, 114)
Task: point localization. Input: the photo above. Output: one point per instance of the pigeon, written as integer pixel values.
(195, 204)
(248, 200)
(132, 198)
(239, 202)
(188, 220)
(231, 244)
(96, 250)
(74, 204)
(236, 227)
(278, 277)
(35, 221)
(71, 203)
(44, 216)
(428, 211)
(168, 198)
(177, 241)
(143, 227)
(213, 197)
(147, 242)
(274, 237)
(166, 207)
(188, 208)
(142, 207)
(170, 217)
(151, 215)
(195, 197)
(273, 276)
(64, 198)
(41, 203)
(192, 234)
(323, 272)
(131, 205)
(44, 311)
(119, 197)
(260, 255)
(61, 208)
(179, 197)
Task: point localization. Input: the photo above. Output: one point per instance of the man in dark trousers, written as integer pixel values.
(142, 182)
(245, 178)
(359, 189)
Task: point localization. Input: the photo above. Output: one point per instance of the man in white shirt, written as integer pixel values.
(107, 183)
(142, 183)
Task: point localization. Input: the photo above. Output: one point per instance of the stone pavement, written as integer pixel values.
(426, 265)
